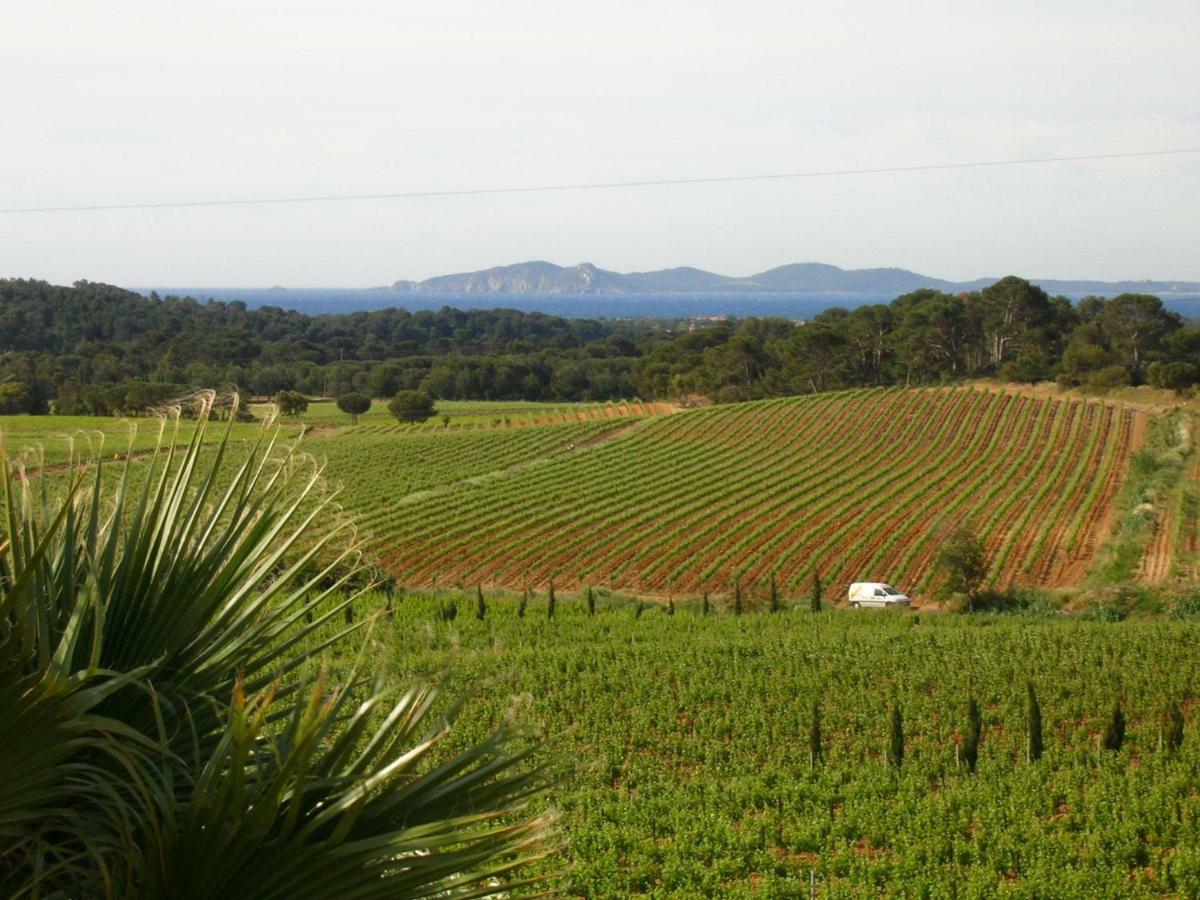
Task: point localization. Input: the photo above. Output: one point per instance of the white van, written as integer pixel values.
(876, 593)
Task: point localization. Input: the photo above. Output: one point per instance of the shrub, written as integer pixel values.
(412, 406)
(970, 747)
(1114, 730)
(158, 736)
(1033, 724)
(291, 403)
(895, 747)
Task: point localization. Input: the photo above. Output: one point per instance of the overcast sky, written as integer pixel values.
(127, 102)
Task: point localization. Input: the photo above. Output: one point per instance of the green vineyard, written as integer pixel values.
(856, 486)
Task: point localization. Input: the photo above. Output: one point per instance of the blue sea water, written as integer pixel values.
(318, 301)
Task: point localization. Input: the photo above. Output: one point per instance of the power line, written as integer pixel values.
(601, 185)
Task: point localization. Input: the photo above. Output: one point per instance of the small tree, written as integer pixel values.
(960, 562)
(704, 608)
(815, 593)
(1174, 730)
(524, 603)
(411, 406)
(354, 405)
(552, 602)
(291, 403)
(591, 601)
(480, 605)
(970, 747)
(895, 748)
(670, 606)
(775, 607)
(737, 598)
(1114, 730)
(1033, 721)
(815, 750)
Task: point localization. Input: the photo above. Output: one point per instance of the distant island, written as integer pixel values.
(540, 277)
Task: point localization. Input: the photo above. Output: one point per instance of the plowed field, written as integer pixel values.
(856, 485)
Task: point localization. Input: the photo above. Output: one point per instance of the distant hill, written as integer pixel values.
(541, 277)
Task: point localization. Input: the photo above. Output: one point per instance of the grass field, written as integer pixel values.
(682, 744)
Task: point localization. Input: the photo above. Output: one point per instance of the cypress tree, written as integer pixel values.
(737, 598)
(670, 606)
(641, 608)
(704, 605)
(591, 601)
(815, 596)
(814, 735)
(970, 749)
(1174, 727)
(552, 602)
(895, 751)
(775, 607)
(1033, 717)
(480, 605)
(524, 602)
(1114, 730)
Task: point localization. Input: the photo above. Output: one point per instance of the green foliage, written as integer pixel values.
(815, 592)
(970, 746)
(685, 747)
(960, 562)
(411, 406)
(816, 749)
(1174, 727)
(1114, 730)
(480, 604)
(166, 729)
(1033, 724)
(591, 601)
(895, 745)
(291, 403)
(774, 595)
(354, 405)
(551, 602)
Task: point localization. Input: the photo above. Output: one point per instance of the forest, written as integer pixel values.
(97, 349)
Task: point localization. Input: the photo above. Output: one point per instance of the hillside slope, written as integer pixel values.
(854, 485)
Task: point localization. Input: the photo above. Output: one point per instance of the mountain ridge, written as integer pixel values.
(542, 277)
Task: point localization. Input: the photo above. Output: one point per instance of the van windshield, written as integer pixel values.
(891, 590)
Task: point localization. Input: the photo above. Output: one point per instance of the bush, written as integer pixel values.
(1184, 606)
(291, 403)
(412, 406)
(1108, 378)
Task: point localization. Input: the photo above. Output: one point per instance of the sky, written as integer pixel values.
(163, 101)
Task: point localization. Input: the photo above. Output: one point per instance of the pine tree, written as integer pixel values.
(480, 605)
(552, 602)
(1033, 719)
(970, 748)
(815, 750)
(1174, 727)
(815, 596)
(775, 607)
(591, 601)
(895, 751)
(1114, 730)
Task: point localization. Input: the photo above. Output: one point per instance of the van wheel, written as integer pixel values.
(855, 605)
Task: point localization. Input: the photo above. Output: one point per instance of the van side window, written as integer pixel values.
(880, 592)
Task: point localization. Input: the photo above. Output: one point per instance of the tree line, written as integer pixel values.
(97, 349)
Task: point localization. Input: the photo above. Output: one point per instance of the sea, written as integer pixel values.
(799, 306)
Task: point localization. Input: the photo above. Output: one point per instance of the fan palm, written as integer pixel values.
(164, 732)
